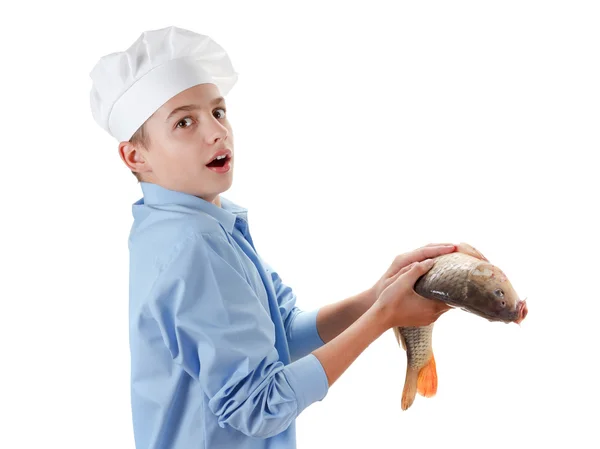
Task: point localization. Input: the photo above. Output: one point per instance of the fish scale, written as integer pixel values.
(418, 344)
(447, 279)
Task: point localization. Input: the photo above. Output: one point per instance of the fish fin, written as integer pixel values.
(410, 387)
(399, 338)
(468, 249)
(427, 381)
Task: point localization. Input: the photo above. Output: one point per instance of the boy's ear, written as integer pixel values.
(133, 157)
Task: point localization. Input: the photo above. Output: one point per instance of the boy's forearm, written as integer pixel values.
(333, 319)
(339, 353)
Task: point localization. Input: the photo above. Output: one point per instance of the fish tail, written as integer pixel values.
(427, 380)
(410, 387)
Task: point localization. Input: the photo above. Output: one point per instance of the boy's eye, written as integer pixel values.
(182, 121)
(223, 111)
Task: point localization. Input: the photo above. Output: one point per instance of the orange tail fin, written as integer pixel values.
(427, 382)
(410, 387)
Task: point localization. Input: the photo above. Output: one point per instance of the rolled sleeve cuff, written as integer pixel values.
(308, 379)
(305, 337)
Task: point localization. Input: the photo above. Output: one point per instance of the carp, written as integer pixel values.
(464, 279)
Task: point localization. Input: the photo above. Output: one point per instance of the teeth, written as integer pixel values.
(218, 158)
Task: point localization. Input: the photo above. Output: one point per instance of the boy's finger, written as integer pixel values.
(405, 269)
(418, 269)
(441, 310)
(429, 252)
(439, 244)
(420, 254)
(395, 277)
(442, 307)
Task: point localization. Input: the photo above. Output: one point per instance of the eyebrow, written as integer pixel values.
(191, 107)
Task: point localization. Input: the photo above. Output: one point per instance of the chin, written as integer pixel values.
(220, 187)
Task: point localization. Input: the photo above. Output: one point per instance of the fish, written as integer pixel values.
(463, 279)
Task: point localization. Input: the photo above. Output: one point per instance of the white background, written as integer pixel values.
(361, 132)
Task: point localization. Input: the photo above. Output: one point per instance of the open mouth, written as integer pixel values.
(219, 162)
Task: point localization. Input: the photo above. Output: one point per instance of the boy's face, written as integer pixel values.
(184, 142)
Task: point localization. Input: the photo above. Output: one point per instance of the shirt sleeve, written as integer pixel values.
(300, 326)
(215, 327)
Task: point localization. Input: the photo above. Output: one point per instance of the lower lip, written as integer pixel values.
(224, 169)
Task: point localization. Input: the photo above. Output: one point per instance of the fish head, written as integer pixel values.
(492, 296)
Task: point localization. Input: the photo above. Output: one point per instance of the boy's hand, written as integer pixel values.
(400, 305)
(425, 252)
(403, 260)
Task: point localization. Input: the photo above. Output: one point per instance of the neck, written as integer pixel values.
(217, 201)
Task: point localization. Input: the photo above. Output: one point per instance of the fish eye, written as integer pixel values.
(499, 293)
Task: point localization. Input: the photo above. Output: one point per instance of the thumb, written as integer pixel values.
(441, 307)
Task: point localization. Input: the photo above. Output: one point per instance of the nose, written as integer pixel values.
(215, 130)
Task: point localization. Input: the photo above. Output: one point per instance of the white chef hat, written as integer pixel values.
(129, 86)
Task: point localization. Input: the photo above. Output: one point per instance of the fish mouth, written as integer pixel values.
(513, 316)
(522, 311)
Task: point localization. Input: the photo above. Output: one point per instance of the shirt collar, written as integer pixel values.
(226, 214)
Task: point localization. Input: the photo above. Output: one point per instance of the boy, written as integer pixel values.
(221, 356)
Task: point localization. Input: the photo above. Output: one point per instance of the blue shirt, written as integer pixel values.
(220, 353)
